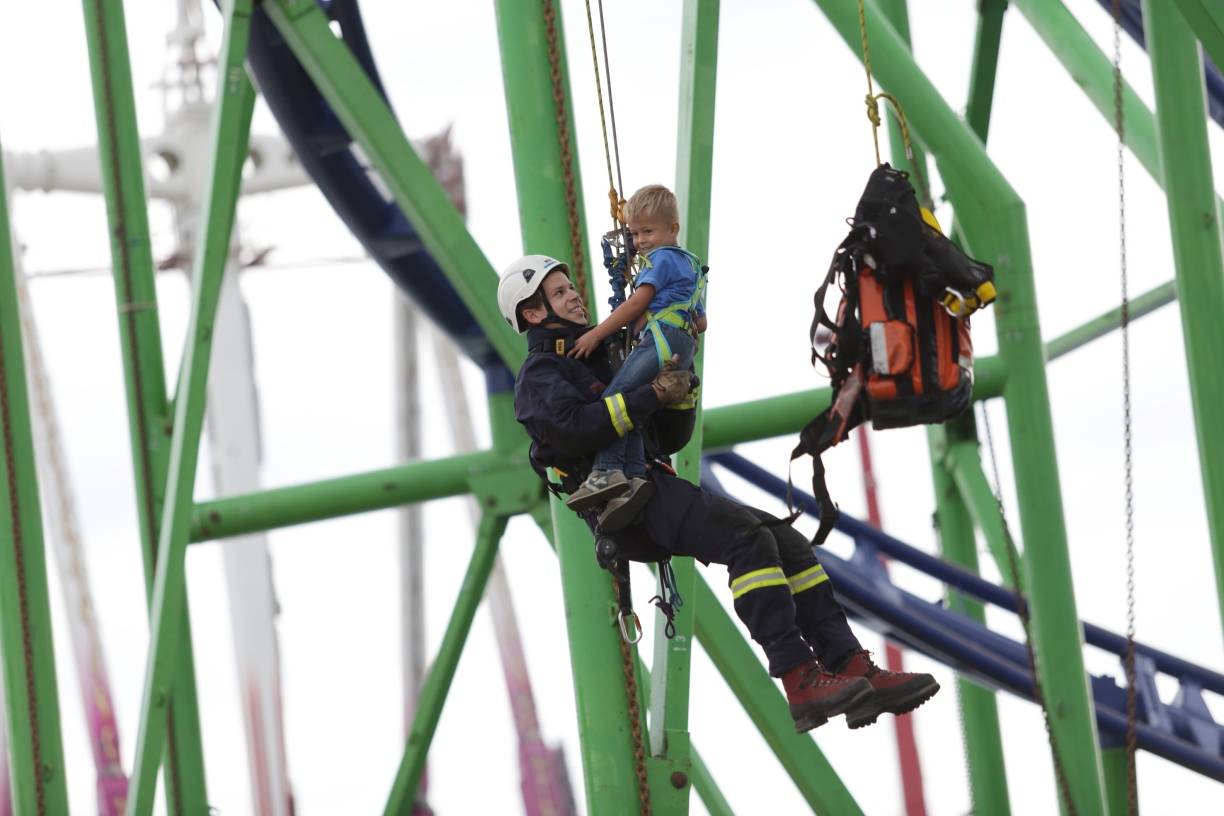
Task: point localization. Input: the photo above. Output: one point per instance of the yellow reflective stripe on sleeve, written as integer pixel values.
(619, 414)
(807, 579)
(757, 579)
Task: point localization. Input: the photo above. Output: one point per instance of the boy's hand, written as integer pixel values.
(584, 346)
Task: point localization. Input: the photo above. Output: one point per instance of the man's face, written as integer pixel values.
(649, 233)
(564, 299)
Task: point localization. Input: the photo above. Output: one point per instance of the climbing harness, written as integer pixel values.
(679, 315)
(1022, 608)
(899, 351)
(1132, 738)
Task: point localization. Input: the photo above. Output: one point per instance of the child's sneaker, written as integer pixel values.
(600, 486)
(622, 510)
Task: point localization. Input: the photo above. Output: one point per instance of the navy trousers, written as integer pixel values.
(780, 590)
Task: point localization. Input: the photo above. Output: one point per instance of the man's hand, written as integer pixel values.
(672, 386)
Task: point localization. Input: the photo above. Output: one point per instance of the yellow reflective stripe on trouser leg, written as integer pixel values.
(619, 414)
(757, 579)
(807, 579)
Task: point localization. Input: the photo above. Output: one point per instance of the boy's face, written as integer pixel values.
(564, 299)
(649, 233)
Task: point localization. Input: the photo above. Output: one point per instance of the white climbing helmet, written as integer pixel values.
(520, 281)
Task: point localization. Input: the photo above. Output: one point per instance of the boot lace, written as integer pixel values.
(816, 675)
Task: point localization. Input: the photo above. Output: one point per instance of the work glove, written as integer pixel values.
(673, 386)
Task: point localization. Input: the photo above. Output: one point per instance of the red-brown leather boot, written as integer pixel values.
(815, 695)
(891, 692)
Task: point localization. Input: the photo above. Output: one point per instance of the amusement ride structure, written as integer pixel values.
(313, 65)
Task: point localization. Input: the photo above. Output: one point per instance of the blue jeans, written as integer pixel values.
(628, 453)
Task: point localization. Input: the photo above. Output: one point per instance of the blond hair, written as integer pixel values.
(653, 202)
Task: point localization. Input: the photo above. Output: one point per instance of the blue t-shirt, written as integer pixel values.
(672, 272)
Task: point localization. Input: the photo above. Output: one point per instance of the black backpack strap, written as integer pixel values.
(847, 411)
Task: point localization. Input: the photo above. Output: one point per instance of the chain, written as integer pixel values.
(1132, 737)
(635, 724)
(23, 597)
(1060, 772)
(119, 234)
(567, 159)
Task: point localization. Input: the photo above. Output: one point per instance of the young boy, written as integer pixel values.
(667, 309)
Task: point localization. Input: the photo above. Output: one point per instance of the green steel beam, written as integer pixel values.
(963, 460)
(540, 173)
(442, 672)
(140, 337)
(27, 654)
(343, 496)
(231, 131)
(1144, 304)
(1113, 760)
(371, 123)
(1206, 19)
(731, 425)
(740, 666)
(1194, 217)
(985, 65)
(698, 774)
(979, 709)
(669, 735)
(995, 222)
(1092, 71)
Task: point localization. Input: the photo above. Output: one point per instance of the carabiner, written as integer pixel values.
(622, 618)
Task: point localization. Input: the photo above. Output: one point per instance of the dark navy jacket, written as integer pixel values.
(559, 400)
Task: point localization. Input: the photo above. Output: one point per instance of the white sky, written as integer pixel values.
(792, 151)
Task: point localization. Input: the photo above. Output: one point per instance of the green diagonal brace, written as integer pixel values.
(231, 130)
(806, 764)
(442, 671)
(27, 656)
(371, 123)
(978, 706)
(140, 336)
(996, 226)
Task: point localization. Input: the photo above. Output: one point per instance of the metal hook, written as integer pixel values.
(622, 619)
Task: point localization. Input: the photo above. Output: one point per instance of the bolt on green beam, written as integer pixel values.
(343, 496)
(739, 665)
(231, 132)
(1198, 255)
(995, 222)
(140, 338)
(27, 656)
(599, 687)
(371, 123)
(1206, 20)
(442, 671)
(979, 708)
